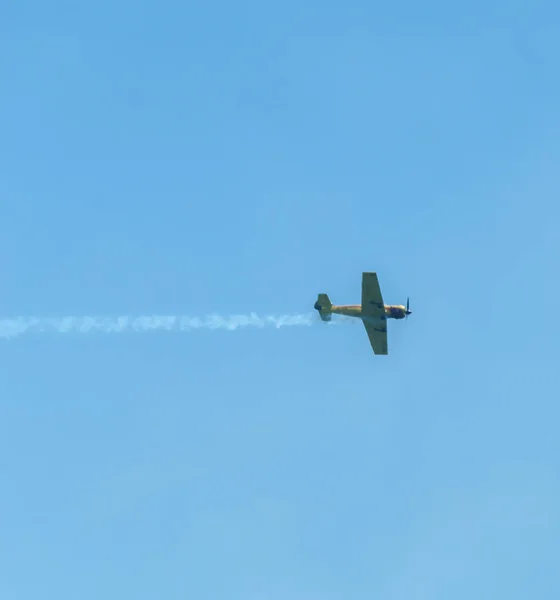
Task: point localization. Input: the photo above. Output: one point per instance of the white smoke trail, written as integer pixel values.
(10, 328)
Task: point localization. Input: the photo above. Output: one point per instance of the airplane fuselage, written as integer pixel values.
(392, 311)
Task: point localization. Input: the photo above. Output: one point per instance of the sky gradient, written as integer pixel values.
(231, 158)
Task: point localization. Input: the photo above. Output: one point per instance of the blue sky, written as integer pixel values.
(234, 157)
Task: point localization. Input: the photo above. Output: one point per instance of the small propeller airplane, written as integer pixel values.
(373, 312)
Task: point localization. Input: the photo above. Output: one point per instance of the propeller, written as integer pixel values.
(408, 311)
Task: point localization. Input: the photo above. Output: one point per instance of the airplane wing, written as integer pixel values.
(374, 308)
(372, 300)
(377, 335)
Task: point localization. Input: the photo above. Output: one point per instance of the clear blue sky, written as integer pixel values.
(229, 157)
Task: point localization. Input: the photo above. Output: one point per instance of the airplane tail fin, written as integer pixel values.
(323, 306)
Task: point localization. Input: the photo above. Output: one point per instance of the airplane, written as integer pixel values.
(373, 312)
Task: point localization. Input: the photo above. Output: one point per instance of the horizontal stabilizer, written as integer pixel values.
(324, 306)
